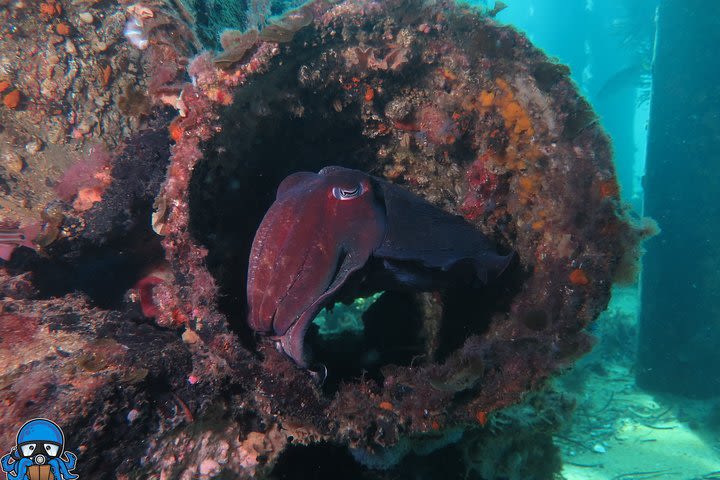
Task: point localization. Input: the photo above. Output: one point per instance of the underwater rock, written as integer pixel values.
(433, 97)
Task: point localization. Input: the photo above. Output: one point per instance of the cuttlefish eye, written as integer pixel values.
(347, 193)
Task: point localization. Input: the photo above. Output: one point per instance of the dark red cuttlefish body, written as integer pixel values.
(325, 228)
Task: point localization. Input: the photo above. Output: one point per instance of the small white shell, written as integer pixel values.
(135, 34)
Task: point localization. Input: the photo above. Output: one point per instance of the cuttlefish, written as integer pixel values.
(342, 229)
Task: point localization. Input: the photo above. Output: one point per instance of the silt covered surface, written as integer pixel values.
(456, 108)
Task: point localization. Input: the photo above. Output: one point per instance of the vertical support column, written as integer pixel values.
(679, 344)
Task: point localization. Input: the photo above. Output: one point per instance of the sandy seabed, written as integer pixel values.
(621, 432)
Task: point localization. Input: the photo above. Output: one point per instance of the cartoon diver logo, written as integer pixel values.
(38, 454)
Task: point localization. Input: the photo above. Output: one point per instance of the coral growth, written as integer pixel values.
(235, 45)
(84, 182)
(12, 99)
(482, 183)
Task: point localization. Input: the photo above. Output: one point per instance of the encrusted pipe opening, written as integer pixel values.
(424, 112)
(287, 122)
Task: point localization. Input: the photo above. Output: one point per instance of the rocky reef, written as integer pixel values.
(125, 321)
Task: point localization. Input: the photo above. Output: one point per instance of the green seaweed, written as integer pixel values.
(343, 318)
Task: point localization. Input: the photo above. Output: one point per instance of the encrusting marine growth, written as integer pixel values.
(341, 232)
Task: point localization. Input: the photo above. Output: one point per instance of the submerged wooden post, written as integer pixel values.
(679, 345)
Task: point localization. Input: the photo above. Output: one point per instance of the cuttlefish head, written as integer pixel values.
(321, 228)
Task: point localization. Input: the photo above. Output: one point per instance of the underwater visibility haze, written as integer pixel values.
(398, 239)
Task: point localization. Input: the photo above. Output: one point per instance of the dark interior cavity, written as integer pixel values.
(118, 247)
(469, 311)
(325, 461)
(102, 272)
(321, 461)
(392, 334)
